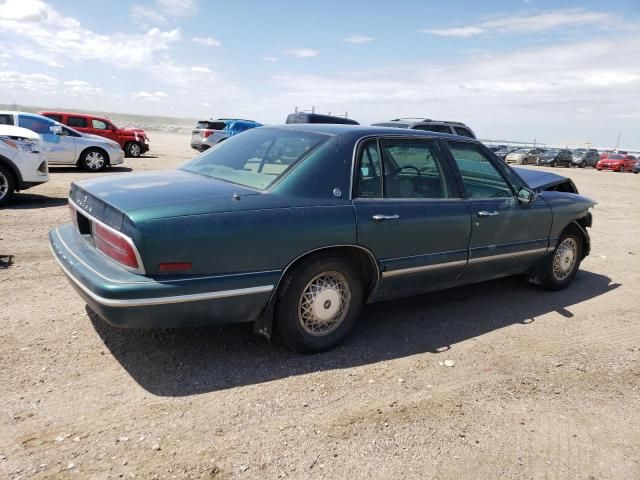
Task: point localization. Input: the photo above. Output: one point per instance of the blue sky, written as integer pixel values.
(561, 72)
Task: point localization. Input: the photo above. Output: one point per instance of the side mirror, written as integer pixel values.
(526, 196)
(56, 129)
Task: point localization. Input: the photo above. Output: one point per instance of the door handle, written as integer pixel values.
(381, 218)
(484, 213)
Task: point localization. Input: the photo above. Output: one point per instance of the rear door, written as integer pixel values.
(506, 236)
(409, 214)
(79, 122)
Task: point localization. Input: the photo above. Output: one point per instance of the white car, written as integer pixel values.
(23, 162)
(66, 146)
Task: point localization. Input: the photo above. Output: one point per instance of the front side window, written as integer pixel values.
(6, 119)
(39, 125)
(98, 124)
(400, 168)
(257, 158)
(480, 178)
(77, 122)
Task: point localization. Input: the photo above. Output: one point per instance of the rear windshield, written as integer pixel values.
(208, 125)
(616, 157)
(256, 158)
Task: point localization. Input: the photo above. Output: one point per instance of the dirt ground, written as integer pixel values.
(544, 385)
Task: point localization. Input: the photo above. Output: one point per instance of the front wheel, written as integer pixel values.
(559, 268)
(583, 164)
(133, 149)
(93, 160)
(621, 169)
(319, 304)
(7, 185)
(554, 164)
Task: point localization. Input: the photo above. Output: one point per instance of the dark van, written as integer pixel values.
(317, 118)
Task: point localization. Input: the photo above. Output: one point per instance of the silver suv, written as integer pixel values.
(440, 126)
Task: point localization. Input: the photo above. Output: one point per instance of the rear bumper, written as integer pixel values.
(126, 299)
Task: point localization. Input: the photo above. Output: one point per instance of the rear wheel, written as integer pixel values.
(560, 268)
(93, 160)
(133, 149)
(319, 303)
(7, 185)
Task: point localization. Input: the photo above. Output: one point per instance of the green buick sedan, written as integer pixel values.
(295, 227)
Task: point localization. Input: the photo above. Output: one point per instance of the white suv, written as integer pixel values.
(440, 126)
(23, 161)
(66, 146)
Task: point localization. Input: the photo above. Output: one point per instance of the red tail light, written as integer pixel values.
(114, 246)
(206, 133)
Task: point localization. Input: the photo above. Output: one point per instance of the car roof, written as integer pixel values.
(363, 130)
(73, 114)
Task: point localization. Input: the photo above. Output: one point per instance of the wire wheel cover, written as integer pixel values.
(564, 260)
(324, 303)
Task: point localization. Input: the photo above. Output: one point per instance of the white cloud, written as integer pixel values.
(23, 10)
(303, 52)
(160, 11)
(537, 91)
(531, 23)
(206, 41)
(270, 59)
(200, 69)
(38, 82)
(150, 96)
(82, 88)
(51, 37)
(358, 39)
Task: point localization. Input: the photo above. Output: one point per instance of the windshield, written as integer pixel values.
(579, 152)
(256, 158)
(391, 124)
(551, 152)
(615, 157)
(521, 150)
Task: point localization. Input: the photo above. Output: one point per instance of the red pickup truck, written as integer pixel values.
(133, 141)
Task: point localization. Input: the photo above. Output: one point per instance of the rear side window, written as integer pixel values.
(434, 128)
(463, 132)
(480, 178)
(6, 119)
(369, 174)
(57, 118)
(39, 125)
(77, 122)
(98, 124)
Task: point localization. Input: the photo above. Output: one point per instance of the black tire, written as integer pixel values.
(90, 160)
(583, 164)
(296, 331)
(621, 169)
(133, 149)
(554, 276)
(553, 164)
(7, 185)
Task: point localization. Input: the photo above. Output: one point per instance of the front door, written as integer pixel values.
(61, 149)
(410, 215)
(506, 237)
(98, 127)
